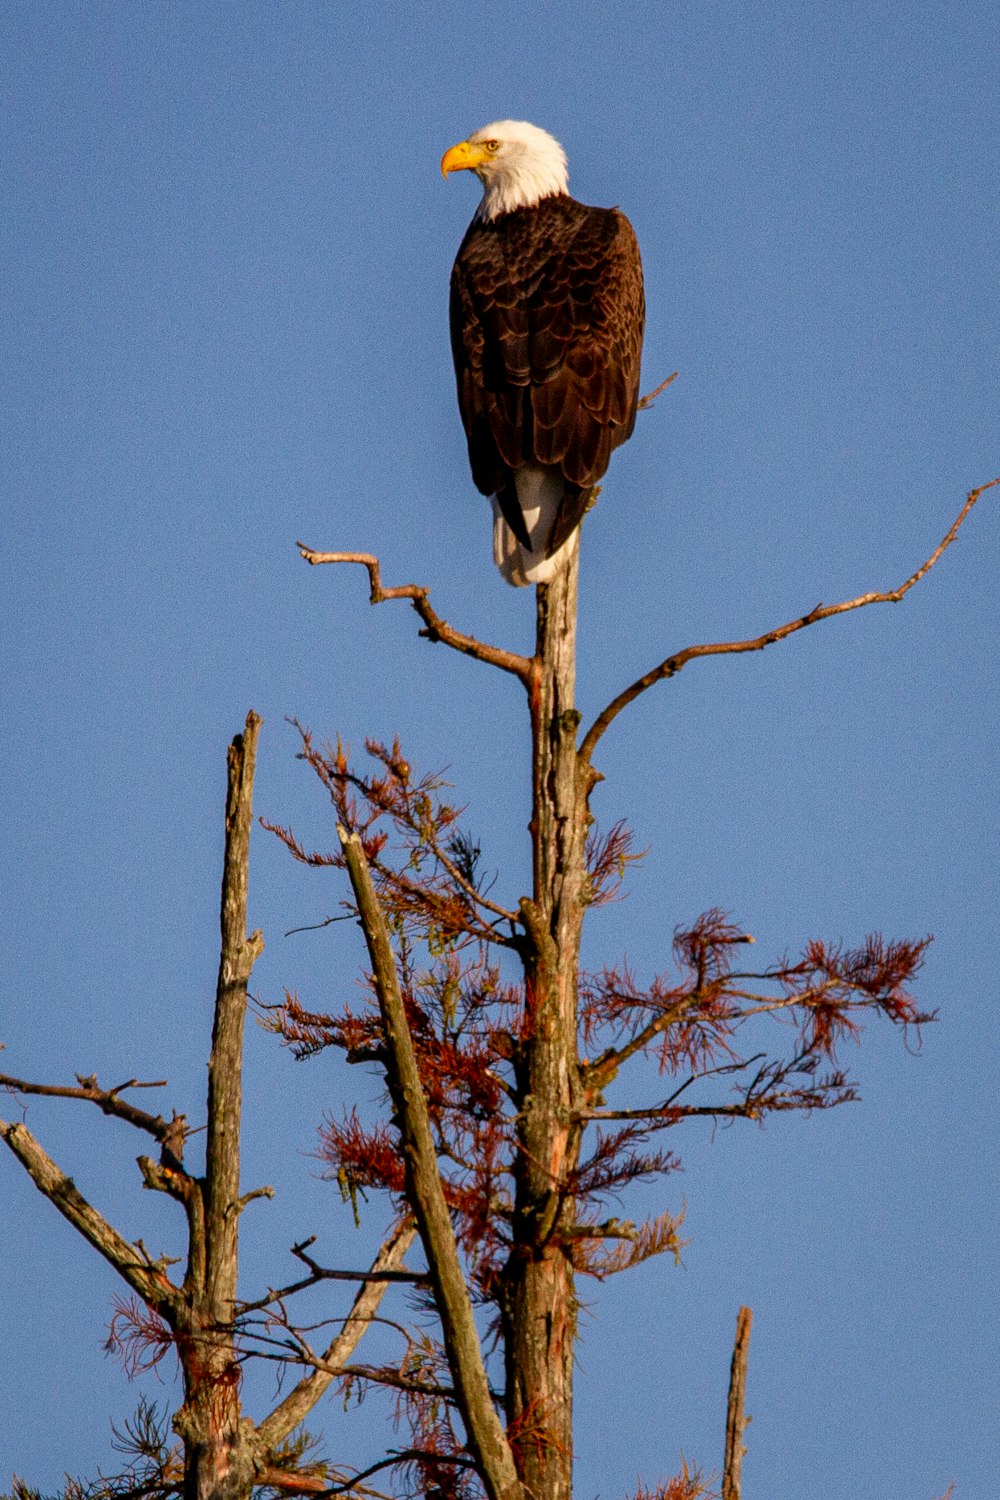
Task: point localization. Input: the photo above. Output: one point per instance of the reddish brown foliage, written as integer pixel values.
(137, 1336)
(469, 1024)
(683, 1486)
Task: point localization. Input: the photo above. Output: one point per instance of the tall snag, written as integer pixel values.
(515, 1073)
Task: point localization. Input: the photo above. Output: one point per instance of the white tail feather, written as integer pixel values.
(539, 493)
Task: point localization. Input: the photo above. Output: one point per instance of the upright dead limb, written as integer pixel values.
(736, 1421)
(489, 1445)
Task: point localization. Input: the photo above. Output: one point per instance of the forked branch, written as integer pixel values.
(170, 1133)
(297, 1405)
(674, 664)
(435, 628)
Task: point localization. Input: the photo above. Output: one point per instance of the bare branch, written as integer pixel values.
(401, 1456)
(753, 1106)
(736, 1422)
(487, 1438)
(674, 664)
(168, 1132)
(645, 402)
(318, 1274)
(435, 629)
(377, 1272)
(142, 1273)
(299, 1402)
(401, 1382)
(251, 1197)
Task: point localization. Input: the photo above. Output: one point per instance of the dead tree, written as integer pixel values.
(500, 1055)
(220, 1453)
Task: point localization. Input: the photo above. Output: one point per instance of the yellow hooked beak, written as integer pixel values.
(464, 155)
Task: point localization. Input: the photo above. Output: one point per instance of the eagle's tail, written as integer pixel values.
(521, 551)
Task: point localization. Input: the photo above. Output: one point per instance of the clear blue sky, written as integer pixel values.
(226, 248)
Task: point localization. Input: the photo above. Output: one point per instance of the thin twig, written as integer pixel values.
(736, 1421)
(436, 629)
(673, 664)
(467, 886)
(645, 402)
(318, 1274)
(401, 1456)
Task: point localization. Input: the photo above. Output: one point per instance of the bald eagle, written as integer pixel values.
(547, 315)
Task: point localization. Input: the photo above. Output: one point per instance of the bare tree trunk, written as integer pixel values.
(540, 1299)
(218, 1459)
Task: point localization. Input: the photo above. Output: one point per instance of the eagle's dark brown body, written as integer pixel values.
(547, 315)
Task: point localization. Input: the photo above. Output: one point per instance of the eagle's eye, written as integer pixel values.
(492, 145)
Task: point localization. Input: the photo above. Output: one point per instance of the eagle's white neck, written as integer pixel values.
(524, 191)
(530, 165)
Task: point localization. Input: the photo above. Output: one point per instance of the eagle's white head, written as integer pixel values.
(517, 163)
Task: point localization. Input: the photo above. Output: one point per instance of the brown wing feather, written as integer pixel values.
(547, 317)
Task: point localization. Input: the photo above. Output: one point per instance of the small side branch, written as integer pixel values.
(645, 402)
(170, 1133)
(400, 1456)
(143, 1275)
(386, 1272)
(736, 1421)
(674, 664)
(435, 628)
